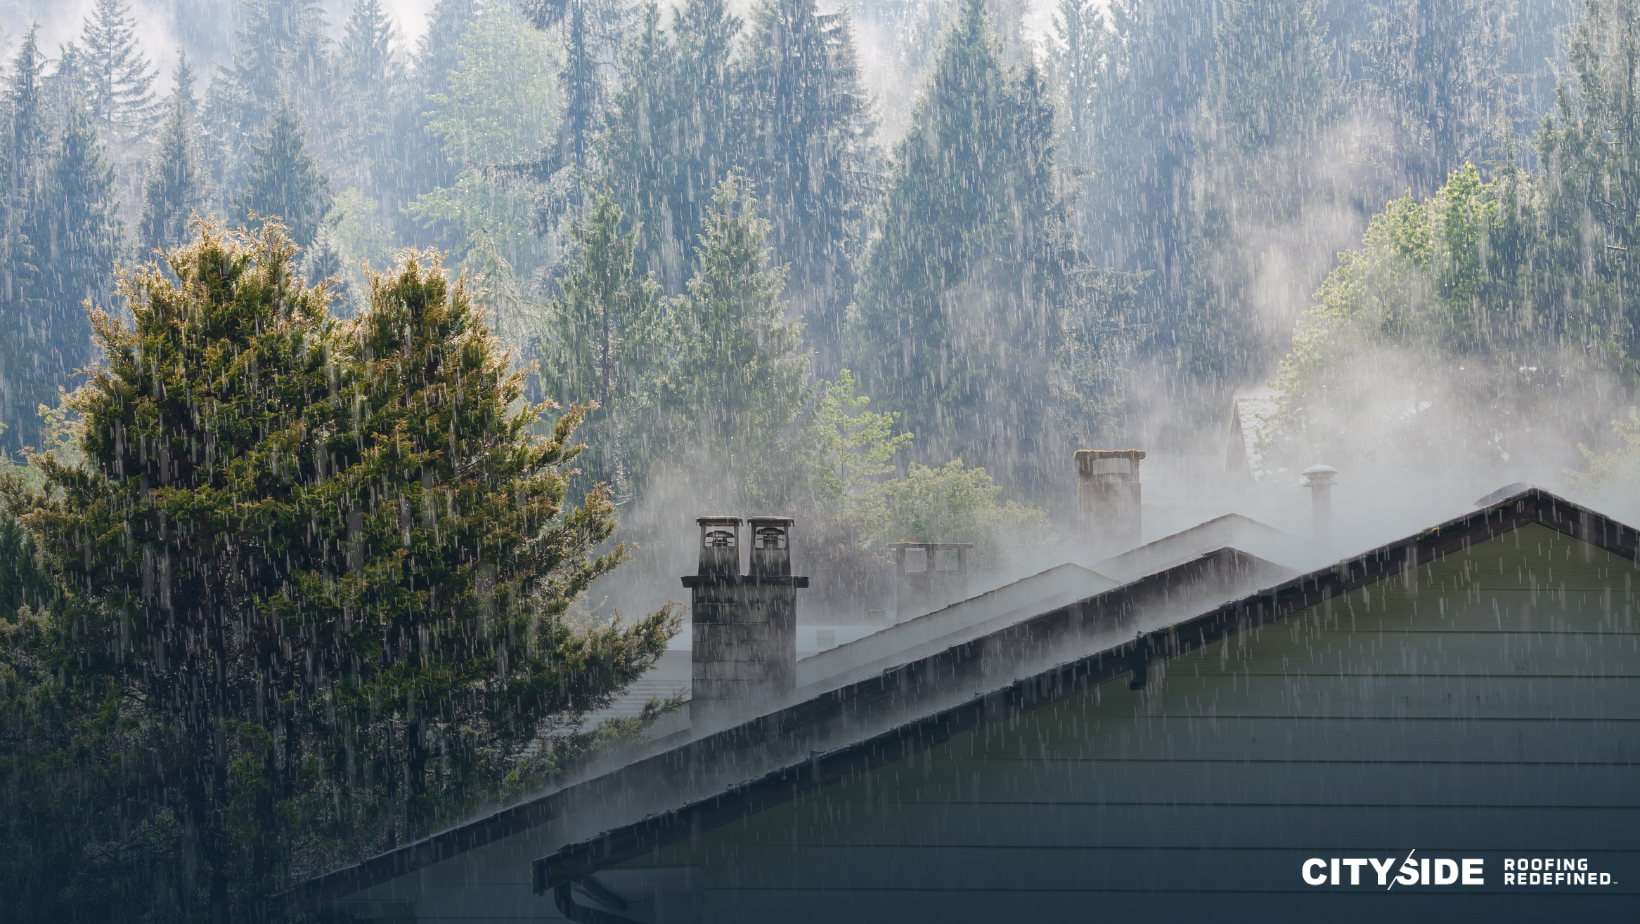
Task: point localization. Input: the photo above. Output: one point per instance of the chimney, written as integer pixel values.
(927, 576)
(744, 626)
(1320, 480)
(1107, 495)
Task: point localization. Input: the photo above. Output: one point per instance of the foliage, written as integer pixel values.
(951, 503)
(327, 562)
(176, 188)
(809, 149)
(855, 446)
(283, 183)
(1615, 469)
(971, 284)
(121, 101)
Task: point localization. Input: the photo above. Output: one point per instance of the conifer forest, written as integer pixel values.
(365, 363)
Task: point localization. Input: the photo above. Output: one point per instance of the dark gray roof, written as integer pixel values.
(919, 704)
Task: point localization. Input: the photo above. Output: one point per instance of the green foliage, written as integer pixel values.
(283, 183)
(600, 350)
(736, 376)
(1437, 67)
(670, 133)
(367, 551)
(951, 503)
(808, 148)
(176, 189)
(971, 286)
(1617, 469)
(855, 446)
(1270, 95)
(121, 100)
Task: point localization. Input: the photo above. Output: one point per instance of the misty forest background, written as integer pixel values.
(880, 266)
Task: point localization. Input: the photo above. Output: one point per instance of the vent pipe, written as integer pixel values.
(1320, 480)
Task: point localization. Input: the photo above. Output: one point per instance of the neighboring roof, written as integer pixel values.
(805, 745)
(1249, 420)
(1231, 530)
(1000, 703)
(944, 627)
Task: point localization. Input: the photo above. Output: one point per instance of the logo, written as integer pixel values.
(1415, 871)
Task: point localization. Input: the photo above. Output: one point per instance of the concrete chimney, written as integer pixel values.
(744, 627)
(927, 576)
(1320, 480)
(1107, 495)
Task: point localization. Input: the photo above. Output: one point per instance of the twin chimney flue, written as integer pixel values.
(744, 625)
(1107, 496)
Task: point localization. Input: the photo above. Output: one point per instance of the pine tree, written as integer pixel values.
(1437, 65)
(24, 140)
(963, 291)
(1078, 63)
(1136, 212)
(1269, 97)
(368, 62)
(582, 89)
(283, 182)
(808, 149)
(76, 238)
(737, 376)
(601, 347)
(671, 137)
(122, 100)
(330, 562)
(176, 189)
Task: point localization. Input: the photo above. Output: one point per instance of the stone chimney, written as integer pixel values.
(1107, 495)
(927, 576)
(744, 630)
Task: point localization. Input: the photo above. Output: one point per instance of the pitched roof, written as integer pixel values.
(870, 722)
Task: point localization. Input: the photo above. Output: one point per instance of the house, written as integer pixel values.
(1444, 727)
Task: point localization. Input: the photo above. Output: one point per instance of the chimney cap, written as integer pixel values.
(718, 521)
(1134, 454)
(787, 521)
(914, 544)
(1317, 475)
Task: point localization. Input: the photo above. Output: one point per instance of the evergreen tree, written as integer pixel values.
(581, 87)
(1269, 96)
(808, 148)
(121, 100)
(24, 142)
(601, 346)
(670, 138)
(1591, 156)
(1078, 62)
(964, 291)
(371, 74)
(176, 189)
(736, 377)
(1136, 212)
(329, 562)
(75, 236)
(1437, 66)
(283, 182)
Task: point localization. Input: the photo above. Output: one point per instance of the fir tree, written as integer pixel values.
(284, 182)
(368, 62)
(357, 533)
(963, 291)
(1136, 212)
(737, 375)
(76, 237)
(1078, 65)
(121, 81)
(24, 143)
(1437, 65)
(601, 350)
(176, 189)
(808, 148)
(1269, 97)
(671, 136)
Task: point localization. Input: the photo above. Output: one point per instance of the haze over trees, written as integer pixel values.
(307, 516)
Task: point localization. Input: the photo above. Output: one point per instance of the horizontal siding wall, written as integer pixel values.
(1487, 705)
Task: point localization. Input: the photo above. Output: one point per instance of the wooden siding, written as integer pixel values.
(1485, 704)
